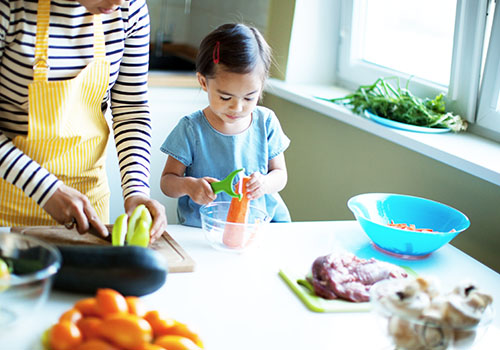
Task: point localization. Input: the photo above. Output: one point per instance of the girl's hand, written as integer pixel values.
(256, 186)
(200, 190)
(156, 209)
(69, 207)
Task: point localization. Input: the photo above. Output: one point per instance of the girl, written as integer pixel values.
(232, 132)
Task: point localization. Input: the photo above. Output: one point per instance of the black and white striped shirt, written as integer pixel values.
(126, 33)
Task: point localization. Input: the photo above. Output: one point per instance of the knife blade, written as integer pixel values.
(93, 231)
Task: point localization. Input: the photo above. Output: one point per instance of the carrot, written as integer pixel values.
(411, 227)
(234, 235)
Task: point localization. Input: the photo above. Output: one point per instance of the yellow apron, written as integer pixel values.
(67, 131)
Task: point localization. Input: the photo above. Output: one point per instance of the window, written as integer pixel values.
(488, 114)
(409, 37)
(438, 45)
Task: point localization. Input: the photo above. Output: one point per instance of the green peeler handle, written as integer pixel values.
(226, 185)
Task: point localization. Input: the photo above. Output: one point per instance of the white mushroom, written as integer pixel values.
(403, 334)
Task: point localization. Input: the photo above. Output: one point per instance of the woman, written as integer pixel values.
(61, 64)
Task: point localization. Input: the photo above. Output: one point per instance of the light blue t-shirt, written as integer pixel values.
(207, 152)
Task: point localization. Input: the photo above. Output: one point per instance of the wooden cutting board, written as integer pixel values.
(178, 260)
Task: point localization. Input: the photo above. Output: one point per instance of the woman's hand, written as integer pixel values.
(68, 207)
(200, 190)
(156, 209)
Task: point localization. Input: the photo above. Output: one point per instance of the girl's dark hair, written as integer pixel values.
(238, 47)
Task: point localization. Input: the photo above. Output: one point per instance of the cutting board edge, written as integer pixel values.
(183, 262)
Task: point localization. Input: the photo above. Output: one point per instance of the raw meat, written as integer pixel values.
(348, 277)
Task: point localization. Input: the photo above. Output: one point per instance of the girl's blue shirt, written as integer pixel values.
(207, 152)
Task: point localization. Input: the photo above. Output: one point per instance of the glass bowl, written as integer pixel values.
(407, 329)
(32, 265)
(374, 211)
(227, 236)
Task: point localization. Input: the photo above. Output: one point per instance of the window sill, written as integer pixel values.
(465, 151)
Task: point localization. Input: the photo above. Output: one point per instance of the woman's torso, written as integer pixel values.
(70, 50)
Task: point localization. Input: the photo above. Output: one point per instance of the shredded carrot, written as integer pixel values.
(412, 227)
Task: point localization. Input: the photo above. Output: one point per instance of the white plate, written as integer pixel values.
(403, 126)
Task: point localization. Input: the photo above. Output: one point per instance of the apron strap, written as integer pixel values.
(99, 42)
(41, 62)
(41, 65)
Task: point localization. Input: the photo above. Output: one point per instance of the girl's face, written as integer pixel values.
(232, 98)
(101, 6)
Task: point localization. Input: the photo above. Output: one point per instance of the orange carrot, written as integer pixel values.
(234, 235)
(411, 227)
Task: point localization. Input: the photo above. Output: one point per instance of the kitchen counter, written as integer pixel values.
(238, 301)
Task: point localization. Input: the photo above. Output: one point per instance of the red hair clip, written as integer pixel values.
(216, 53)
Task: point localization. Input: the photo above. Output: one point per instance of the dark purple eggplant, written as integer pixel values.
(130, 270)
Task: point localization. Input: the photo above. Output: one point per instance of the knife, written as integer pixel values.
(93, 231)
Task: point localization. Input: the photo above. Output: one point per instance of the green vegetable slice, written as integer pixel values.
(132, 222)
(119, 230)
(139, 226)
(140, 236)
(4, 269)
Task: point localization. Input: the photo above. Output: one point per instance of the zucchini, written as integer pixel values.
(130, 270)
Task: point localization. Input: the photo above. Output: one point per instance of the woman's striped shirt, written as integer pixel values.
(126, 32)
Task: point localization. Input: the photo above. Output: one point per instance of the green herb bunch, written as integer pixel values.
(400, 105)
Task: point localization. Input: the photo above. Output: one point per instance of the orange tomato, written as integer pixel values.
(135, 306)
(87, 306)
(160, 325)
(150, 346)
(126, 331)
(110, 302)
(90, 327)
(184, 331)
(176, 342)
(165, 326)
(64, 336)
(71, 315)
(96, 344)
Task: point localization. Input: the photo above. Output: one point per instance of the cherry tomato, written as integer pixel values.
(87, 306)
(126, 331)
(64, 336)
(109, 302)
(71, 315)
(176, 342)
(96, 344)
(90, 327)
(135, 306)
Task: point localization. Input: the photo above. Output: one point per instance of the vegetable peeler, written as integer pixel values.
(226, 185)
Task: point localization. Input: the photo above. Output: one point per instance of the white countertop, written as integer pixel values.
(238, 301)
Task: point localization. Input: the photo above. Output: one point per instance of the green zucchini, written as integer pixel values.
(131, 270)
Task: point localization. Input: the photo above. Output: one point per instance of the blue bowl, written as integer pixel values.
(374, 211)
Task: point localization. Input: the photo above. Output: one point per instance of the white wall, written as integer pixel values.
(167, 105)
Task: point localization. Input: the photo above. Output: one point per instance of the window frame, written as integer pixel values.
(488, 111)
(470, 23)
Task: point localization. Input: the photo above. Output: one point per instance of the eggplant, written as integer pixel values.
(130, 270)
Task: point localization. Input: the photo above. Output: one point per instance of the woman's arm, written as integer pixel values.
(131, 117)
(174, 184)
(129, 102)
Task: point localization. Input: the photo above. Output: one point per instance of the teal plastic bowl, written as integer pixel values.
(374, 211)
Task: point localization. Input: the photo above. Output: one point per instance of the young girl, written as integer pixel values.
(232, 132)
